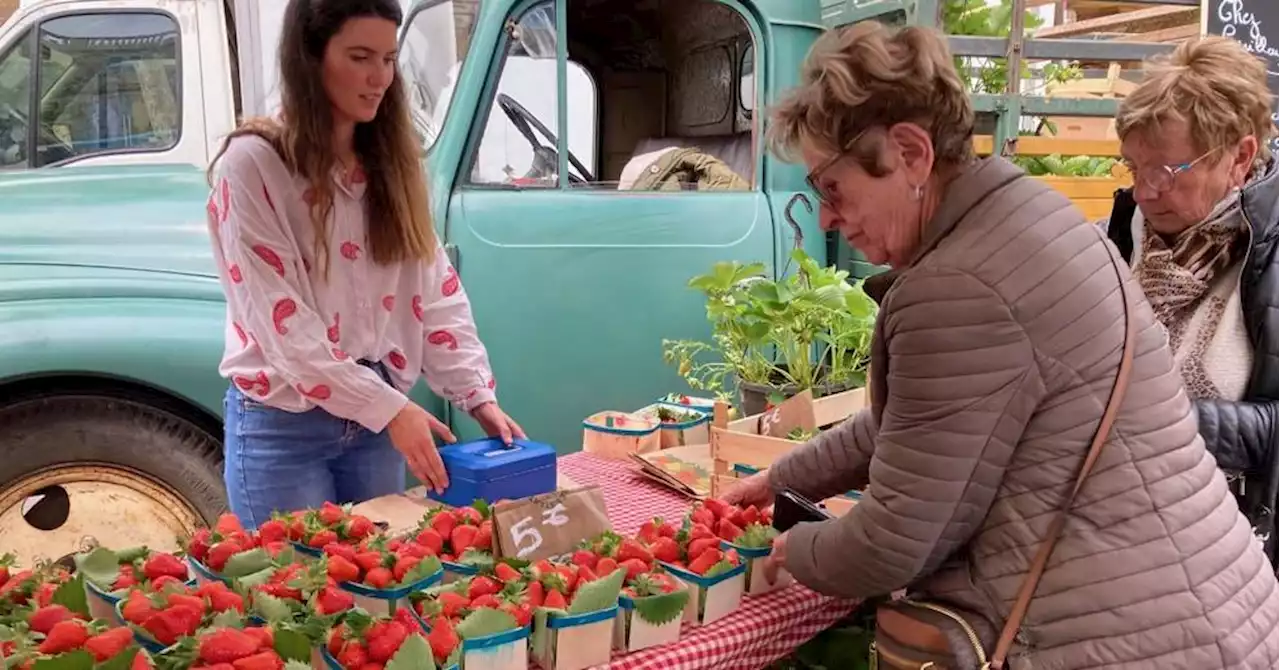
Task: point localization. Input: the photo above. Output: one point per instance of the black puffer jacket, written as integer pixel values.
(1242, 435)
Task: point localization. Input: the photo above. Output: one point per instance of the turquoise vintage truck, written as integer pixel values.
(544, 143)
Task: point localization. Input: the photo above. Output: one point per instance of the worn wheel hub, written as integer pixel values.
(59, 511)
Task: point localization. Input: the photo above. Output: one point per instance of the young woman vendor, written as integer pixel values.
(338, 292)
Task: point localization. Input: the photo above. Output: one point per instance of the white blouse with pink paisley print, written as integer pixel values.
(293, 338)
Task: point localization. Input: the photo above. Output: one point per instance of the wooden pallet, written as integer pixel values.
(741, 442)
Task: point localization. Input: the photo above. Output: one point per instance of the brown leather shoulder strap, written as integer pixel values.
(1041, 560)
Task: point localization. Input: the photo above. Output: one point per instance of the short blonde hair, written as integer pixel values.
(869, 75)
(1213, 85)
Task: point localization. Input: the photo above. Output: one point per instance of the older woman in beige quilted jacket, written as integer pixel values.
(996, 349)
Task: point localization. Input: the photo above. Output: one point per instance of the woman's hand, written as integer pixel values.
(776, 559)
(410, 431)
(496, 423)
(753, 490)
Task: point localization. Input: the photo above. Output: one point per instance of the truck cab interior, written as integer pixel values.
(661, 96)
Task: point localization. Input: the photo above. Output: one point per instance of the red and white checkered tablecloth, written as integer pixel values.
(764, 629)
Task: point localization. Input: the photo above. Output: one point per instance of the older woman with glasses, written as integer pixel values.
(1199, 230)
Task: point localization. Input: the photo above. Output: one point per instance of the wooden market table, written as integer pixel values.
(764, 629)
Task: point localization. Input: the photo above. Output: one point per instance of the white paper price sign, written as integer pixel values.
(549, 525)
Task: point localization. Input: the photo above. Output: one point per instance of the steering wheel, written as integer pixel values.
(545, 158)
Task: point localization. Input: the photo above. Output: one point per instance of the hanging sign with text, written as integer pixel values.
(549, 525)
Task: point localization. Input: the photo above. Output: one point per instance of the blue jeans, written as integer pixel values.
(284, 461)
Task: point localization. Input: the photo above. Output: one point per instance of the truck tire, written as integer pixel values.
(81, 470)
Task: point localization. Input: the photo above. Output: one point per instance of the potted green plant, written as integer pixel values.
(771, 339)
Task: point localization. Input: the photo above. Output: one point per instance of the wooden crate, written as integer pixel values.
(740, 442)
(1093, 195)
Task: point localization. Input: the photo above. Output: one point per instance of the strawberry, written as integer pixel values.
(462, 538)
(431, 539)
(469, 515)
(653, 529)
(368, 560)
(352, 657)
(166, 626)
(106, 645)
(698, 547)
(506, 573)
(444, 522)
(487, 600)
(703, 516)
(264, 636)
(717, 507)
(748, 516)
(700, 530)
(629, 549)
(263, 660)
(331, 600)
(665, 549)
(198, 546)
(521, 612)
(225, 645)
(586, 574)
(344, 550)
(555, 600)
(64, 636)
(704, 561)
(141, 662)
(273, 531)
(452, 602)
(484, 536)
(195, 603)
(137, 608)
(44, 619)
(634, 566)
(384, 638)
(728, 530)
(482, 585)
(606, 566)
(585, 557)
(322, 537)
(359, 527)
(330, 514)
(535, 593)
(443, 638)
(404, 565)
(227, 523)
(379, 578)
(125, 578)
(220, 553)
(223, 600)
(168, 583)
(342, 570)
(160, 564)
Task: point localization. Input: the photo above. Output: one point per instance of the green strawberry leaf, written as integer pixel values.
(756, 536)
(718, 569)
(271, 608)
(662, 608)
(122, 660)
(100, 566)
(357, 620)
(71, 595)
(257, 578)
(482, 506)
(425, 568)
(599, 594)
(131, 554)
(292, 645)
(476, 558)
(246, 563)
(228, 619)
(414, 654)
(296, 665)
(74, 660)
(485, 621)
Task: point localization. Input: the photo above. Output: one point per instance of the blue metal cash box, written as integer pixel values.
(489, 470)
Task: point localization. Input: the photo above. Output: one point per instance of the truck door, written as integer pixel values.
(572, 233)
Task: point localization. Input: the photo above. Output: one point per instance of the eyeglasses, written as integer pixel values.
(1159, 178)
(827, 196)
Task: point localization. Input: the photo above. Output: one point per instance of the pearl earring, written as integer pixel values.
(917, 192)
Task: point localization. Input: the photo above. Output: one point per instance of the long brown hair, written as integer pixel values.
(396, 206)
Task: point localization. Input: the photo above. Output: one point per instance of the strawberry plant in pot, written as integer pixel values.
(810, 329)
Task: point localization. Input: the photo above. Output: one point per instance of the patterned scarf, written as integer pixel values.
(1177, 274)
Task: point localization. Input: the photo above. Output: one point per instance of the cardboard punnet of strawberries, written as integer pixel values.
(329, 588)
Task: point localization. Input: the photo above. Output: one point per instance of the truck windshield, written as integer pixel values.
(434, 44)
